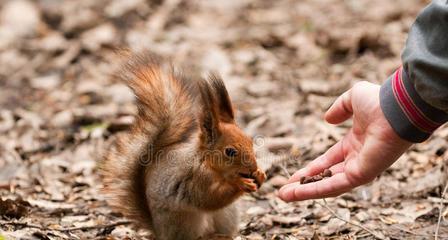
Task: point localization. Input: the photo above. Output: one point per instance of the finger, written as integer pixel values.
(334, 185)
(332, 195)
(331, 157)
(338, 168)
(341, 109)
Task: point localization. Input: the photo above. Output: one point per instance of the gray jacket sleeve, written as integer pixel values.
(415, 98)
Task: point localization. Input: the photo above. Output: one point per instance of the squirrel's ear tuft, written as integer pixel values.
(209, 119)
(224, 105)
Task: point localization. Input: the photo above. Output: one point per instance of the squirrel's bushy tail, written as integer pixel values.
(166, 102)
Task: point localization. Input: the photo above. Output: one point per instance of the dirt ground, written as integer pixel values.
(284, 62)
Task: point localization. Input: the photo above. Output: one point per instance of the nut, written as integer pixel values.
(317, 178)
(309, 179)
(327, 173)
(302, 179)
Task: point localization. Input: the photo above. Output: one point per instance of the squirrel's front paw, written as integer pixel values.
(259, 177)
(251, 182)
(247, 184)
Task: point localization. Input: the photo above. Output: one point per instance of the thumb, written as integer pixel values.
(341, 109)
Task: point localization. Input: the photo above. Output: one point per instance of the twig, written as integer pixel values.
(120, 223)
(325, 205)
(416, 234)
(437, 200)
(436, 234)
(23, 224)
(84, 228)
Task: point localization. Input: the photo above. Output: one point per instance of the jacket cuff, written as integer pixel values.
(409, 115)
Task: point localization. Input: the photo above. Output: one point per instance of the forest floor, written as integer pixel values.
(284, 62)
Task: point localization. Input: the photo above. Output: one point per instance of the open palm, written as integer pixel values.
(367, 149)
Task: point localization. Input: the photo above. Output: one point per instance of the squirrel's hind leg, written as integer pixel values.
(226, 220)
(178, 225)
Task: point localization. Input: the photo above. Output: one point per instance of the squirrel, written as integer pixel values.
(184, 161)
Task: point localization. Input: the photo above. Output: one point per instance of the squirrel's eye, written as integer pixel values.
(231, 152)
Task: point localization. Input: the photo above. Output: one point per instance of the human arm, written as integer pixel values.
(407, 108)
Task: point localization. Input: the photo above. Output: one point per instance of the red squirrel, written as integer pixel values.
(184, 162)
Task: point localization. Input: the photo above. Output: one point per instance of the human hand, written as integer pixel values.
(370, 146)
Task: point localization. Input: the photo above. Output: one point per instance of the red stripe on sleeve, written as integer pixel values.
(412, 112)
